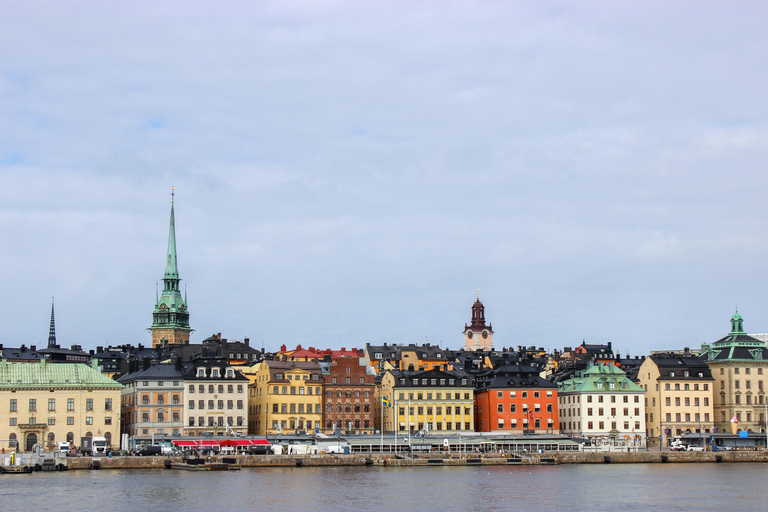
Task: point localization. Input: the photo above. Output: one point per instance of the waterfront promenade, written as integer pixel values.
(76, 463)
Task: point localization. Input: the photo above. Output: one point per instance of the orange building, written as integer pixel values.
(515, 399)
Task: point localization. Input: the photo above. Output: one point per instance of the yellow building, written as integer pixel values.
(285, 396)
(44, 403)
(679, 396)
(432, 400)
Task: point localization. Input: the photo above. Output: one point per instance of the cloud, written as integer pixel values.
(353, 173)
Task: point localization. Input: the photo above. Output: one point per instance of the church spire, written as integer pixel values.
(170, 318)
(52, 330)
(171, 268)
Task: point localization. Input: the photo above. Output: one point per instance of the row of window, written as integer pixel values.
(438, 410)
(160, 399)
(513, 423)
(220, 404)
(748, 415)
(52, 421)
(576, 425)
(439, 426)
(686, 387)
(438, 396)
(214, 373)
(600, 412)
(52, 404)
(212, 388)
(347, 408)
(747, 384)
(13, 443)
(433, 382)
(679, 417)
(348, 424)
(513, 408)
(279, 376)
(523, 394)
(347, 394)
(293, 389)
(294, 408)
(747, 371)
(348, 380)
(217, 421)
(600, 399)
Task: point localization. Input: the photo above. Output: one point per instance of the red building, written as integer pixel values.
(348, 396)
(515, 399)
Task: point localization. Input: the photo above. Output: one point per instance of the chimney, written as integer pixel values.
(609, 345)
(33, 348)
(218, 336)
(283, 348)
(247, 342)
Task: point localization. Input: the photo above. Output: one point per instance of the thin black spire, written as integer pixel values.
(52, 331)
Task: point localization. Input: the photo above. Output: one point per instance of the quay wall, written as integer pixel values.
(493, 459)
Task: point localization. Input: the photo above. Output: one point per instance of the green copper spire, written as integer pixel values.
(737, 323)
(171, 268)
(170, 319)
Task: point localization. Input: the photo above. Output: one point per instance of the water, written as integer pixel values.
(603, 487)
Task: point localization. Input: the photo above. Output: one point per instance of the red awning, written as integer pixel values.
(196, 442)
(223, 442)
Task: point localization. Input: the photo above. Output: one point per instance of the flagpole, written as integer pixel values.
(381, 448)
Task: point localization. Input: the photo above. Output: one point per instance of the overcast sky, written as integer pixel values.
(352, 172)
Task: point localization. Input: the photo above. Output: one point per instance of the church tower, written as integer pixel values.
(478, 336)
(170, 319)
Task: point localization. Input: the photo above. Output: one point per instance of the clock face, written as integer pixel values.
(162, 306)
(485, 334)
(469, 334)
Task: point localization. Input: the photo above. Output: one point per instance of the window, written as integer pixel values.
(32, 404)
(51, 421)
(108, 420)
(107, 404)
(70, 420)
(89, 420)
(51, 404)
(13, 405)
(13, 422)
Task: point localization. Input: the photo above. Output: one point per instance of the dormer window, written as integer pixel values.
(671, 374)
(377, 355)
(201, 372)
(215, 372)
(230, 374)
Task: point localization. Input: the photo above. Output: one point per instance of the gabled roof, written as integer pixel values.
(598, 379)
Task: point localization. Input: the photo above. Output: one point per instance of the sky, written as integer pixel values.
(354, 172)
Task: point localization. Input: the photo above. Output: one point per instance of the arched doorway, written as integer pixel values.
(12, 443)
(51, 439)
(108, 437)
(70, 437)
(31, 441)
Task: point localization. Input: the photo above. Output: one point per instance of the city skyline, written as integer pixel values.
(354, 174)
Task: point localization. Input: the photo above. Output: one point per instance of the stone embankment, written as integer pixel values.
(486, 460)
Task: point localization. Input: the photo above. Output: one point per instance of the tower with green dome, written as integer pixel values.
(170, 318)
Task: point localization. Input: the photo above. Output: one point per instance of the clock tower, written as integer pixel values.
(170, 318)
(477, 335)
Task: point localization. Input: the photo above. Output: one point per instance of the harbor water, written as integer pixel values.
(609, 487)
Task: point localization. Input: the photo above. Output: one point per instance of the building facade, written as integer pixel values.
(216, 398)
(348, 396)
(152, 401)
(425, 401)
(739, 365)
(44, 403)
(678, 396)
(515, 399)
(286, 396)
(602, 403)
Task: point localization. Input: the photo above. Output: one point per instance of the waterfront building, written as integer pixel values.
(602, 402)
(286, 396)
(152, 401)
(477, 335)
(313, 354)
(216, 396)
(170, 318)
(348, 396)
(44, 403)
(514, 398)
(436, 400)
(739, 365)
(679, 391)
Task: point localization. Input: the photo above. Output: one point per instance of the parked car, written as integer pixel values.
(150, 451)
(677, 446)
(695, 449)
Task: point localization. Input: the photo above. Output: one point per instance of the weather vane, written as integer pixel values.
(172, 193)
